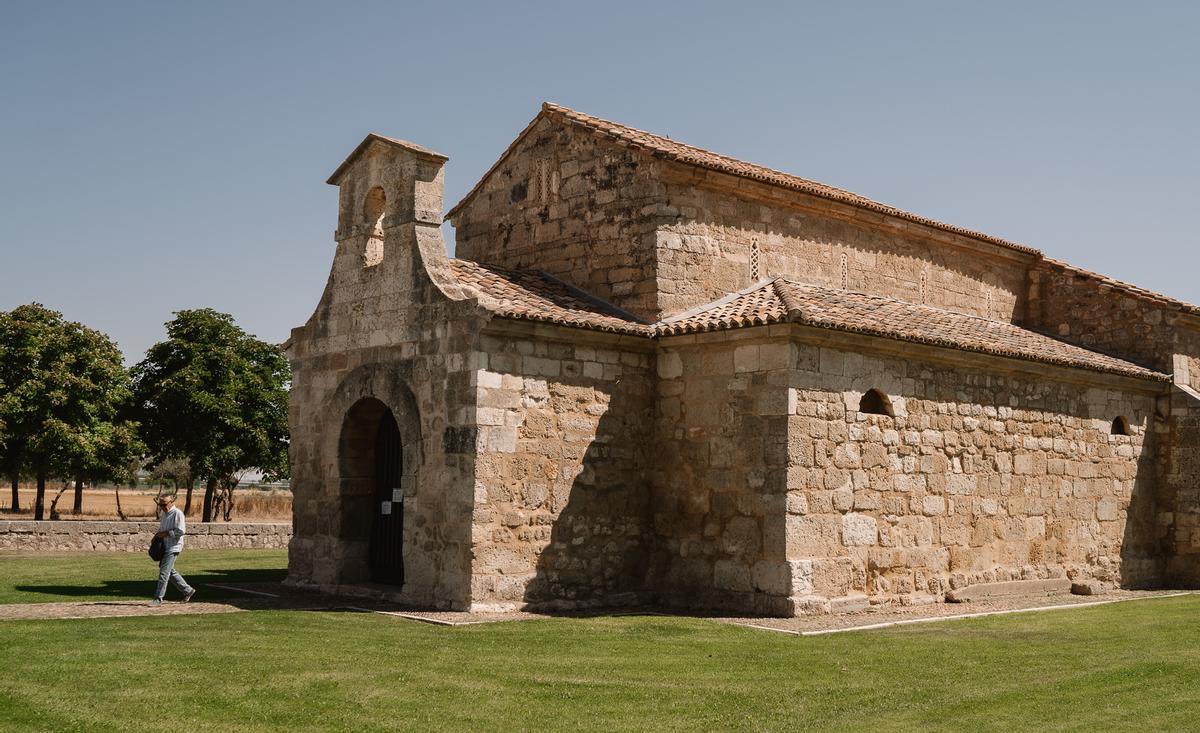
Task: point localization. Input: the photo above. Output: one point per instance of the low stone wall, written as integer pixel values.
(30, 536)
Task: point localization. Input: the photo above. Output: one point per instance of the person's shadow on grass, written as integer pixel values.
(141, 589)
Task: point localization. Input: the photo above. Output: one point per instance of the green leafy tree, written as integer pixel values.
(216, 396)
(118, 449)
(10, 455)
(64, 386)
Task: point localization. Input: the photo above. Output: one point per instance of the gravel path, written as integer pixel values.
(106, 609)
(273, 596)
(898, 615)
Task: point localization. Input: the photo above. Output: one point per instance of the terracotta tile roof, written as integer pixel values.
(665, 147)
(536, 296)
(844, 310)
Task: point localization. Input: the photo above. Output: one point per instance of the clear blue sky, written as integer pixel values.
(158, 156)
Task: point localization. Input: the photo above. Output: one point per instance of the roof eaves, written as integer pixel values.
(1129, 371)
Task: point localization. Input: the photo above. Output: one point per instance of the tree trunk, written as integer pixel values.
(39, 504)
(16, 491)
(209, 490)
(187, 503)
(78, 508)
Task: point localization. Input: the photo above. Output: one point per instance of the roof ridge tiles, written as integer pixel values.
(790, 304)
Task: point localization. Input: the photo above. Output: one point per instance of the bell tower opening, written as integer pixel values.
(374, 208)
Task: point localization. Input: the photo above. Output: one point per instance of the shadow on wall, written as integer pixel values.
(1142, 549)
(912, 269)
(1180, 493)
(597, 505)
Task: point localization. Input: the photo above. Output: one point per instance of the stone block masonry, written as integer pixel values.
(88, 536)
(661, 376)
(564, 438)
(573, 218)
(978, 476)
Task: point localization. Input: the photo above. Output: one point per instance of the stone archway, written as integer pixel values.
(371, 471)
(335, 480)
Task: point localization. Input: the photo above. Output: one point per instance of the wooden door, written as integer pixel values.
(385, 552)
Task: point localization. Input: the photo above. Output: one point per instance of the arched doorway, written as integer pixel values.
(371, 460)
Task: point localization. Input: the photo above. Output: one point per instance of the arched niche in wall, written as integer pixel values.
(374, 208)
(875, 402)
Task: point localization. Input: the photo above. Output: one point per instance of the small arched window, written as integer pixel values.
(875, 402)
(374, 207)
(1120, 426)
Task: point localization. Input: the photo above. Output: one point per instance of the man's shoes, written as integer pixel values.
(188, 596)
(156, 602)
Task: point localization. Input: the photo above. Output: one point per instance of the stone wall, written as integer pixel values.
(1186, 366)
(1179, 487)
(720, 472)
(574, 206)
(707, 251)
(391, 332)
(1075, 308)
(982, 475)
(644, 235)
(86, 536)
(560, 516)
(989, 470)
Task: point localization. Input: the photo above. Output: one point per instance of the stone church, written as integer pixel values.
(657, 376)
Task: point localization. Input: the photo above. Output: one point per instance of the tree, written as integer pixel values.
(64, 385)
(179, 472)
(117, 453)
(217, 396)
(10, 450)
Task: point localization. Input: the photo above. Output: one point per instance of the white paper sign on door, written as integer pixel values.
(385, 507)
(397, 494)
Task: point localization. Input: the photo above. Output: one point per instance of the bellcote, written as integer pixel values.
(386, 183)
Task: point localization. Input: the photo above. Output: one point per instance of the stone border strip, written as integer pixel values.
(413, 617)
(956, 617)
(243, 590)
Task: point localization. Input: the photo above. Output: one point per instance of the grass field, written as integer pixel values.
(107, 576)
(1120, 667)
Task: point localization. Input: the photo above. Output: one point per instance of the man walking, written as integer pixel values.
(171, 529)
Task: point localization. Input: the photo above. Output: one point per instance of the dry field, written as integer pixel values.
(250, 505)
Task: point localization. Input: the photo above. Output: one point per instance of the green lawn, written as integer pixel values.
(107, 576)
(1124, 666)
